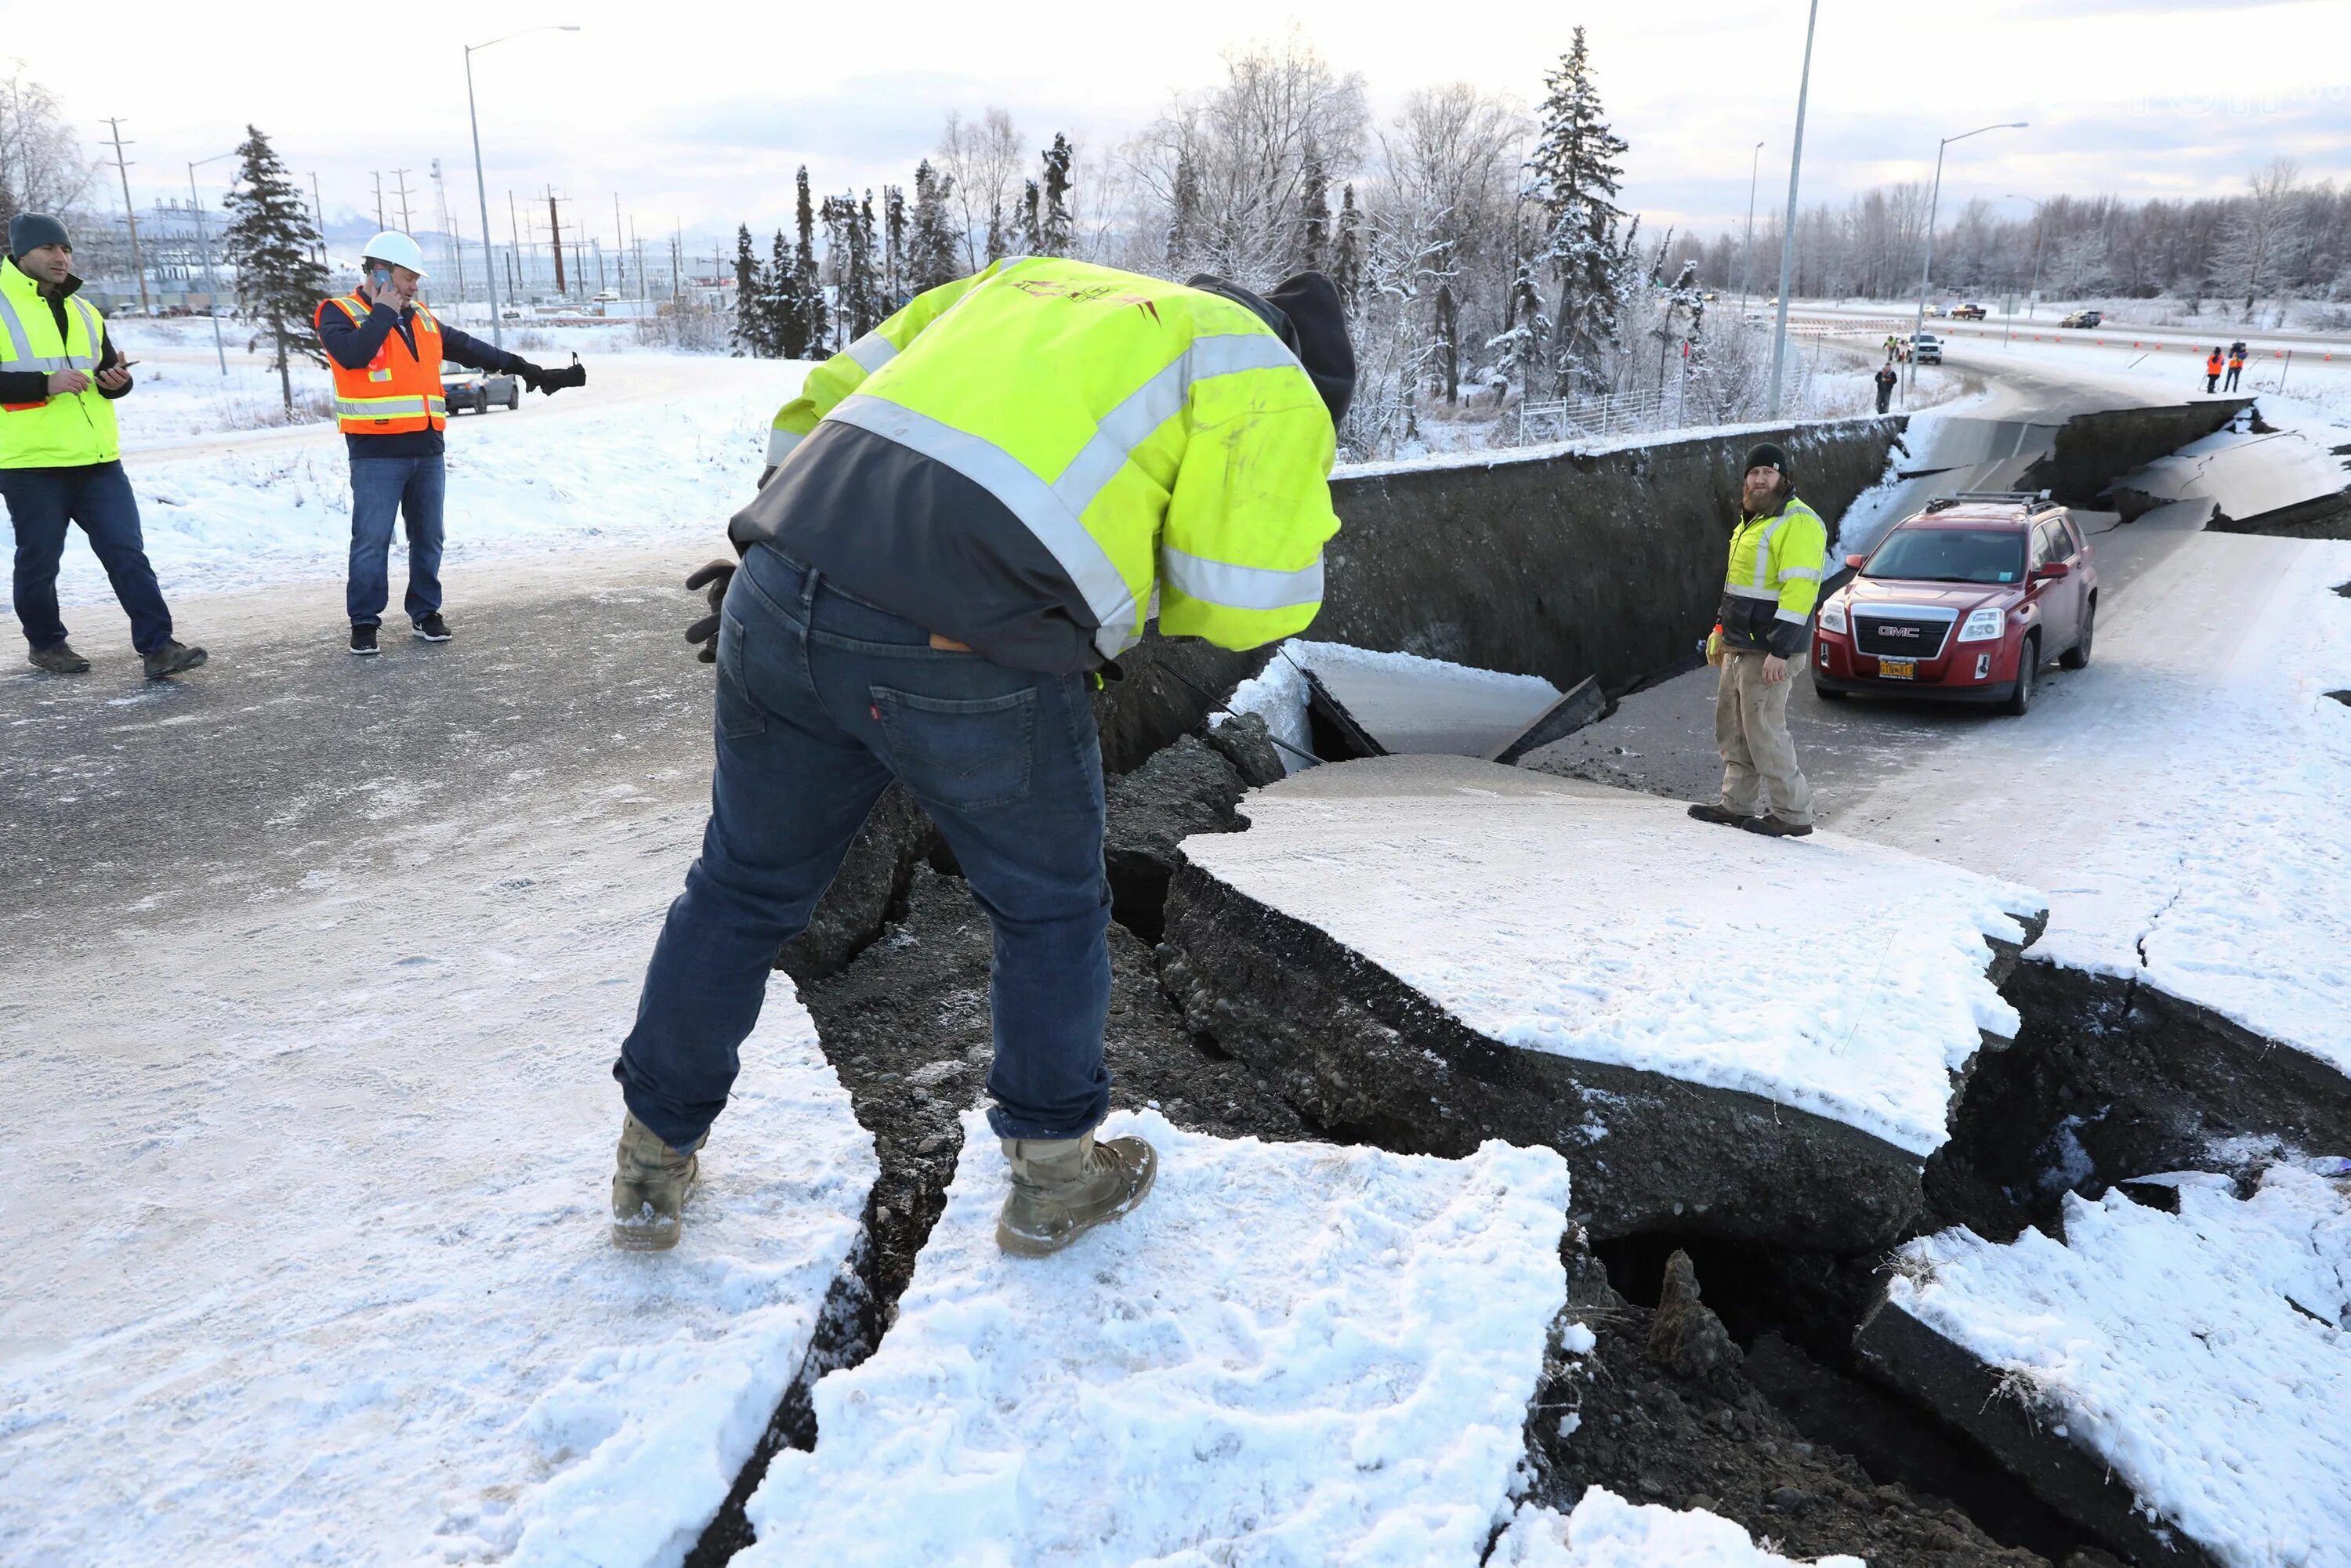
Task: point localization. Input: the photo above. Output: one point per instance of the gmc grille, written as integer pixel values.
(1899, 636)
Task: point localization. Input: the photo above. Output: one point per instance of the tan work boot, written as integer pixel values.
(1063, 1188)
(649, 1190)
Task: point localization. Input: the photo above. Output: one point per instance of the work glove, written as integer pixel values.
(538, 380)
(712, 581)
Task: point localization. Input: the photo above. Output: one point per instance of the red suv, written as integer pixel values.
(1966, 600)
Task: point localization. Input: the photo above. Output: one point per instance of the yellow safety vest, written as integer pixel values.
(1774, 577)
(1162, 443)
(64, 431)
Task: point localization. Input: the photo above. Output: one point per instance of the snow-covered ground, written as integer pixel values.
(1278, 694)
(1609, 927)
(1291, 1353)
(2205, 1356)
(306, 1230)
(1606, 1531)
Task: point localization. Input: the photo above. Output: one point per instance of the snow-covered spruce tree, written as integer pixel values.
(836, 213)
(1347, 254)
(786, 326)
(816, 324)
(1028, 238)
(894, 250)
(1573, 177)
(1521, 348)
(751, 326)
(931, 258)
(1313, 210)
(864, 300)
(272, 246)
(1053, 227)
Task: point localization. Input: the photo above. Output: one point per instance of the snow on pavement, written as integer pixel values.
(1278, 692)
(1291, 1353)
(1606, 1531)
(1610, 927)
(2205, 1355)
(307, 1252)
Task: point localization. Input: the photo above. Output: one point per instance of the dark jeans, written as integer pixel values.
(2234, 371)
(822, 701)
(41, 501)
(381, 487)
(1885, 397)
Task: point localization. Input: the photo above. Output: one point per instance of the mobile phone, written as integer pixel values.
(383, 276)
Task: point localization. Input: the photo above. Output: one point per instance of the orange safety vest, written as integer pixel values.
(2212, 365)
(2236, 361)
(397, 390)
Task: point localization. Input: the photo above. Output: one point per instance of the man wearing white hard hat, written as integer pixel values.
(386, 350)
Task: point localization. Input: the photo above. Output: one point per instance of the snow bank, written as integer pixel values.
(1278, 693)
(308, 1245)
(2204, 1356)
(1614, 929)
(1606, 1531)
(1292, 1354)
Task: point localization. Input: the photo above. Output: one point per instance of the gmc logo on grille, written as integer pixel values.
(1897, 631)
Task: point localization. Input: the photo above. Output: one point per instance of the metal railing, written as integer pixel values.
(1590, 418)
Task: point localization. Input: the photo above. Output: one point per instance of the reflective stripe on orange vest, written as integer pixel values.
(397, 390)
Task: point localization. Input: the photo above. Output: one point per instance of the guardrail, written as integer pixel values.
(1614, 413)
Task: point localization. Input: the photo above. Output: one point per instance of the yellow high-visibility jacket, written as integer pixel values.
(64, 431)
(1773, 579)
(1027, 459)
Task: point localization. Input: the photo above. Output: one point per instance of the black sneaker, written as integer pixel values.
(363, 640)
(432, 629)
(1708, 811)
(1776, 826)
(170, 659)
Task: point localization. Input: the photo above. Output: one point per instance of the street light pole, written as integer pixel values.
(205, 243)
(481, 187)
(1788, 229)
(1928, 269)
(1747, 274)
(2034, 286)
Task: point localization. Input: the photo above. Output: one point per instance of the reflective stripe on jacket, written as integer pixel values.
(399, 389)
(1023, 459)
(66, 431)
(1773, 579)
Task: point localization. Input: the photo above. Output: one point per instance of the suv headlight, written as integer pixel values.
(1833, 616)
(1983, 626)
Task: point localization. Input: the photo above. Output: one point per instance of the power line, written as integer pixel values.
(131, 216)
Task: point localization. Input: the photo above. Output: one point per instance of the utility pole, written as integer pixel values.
(555, 240)
(514, 236)
(1747, 277)
(402, 176)
(379, 199)
(1926, 268)
(131, 216)
(449, 227)
(619, 239)
(1788, 229)
(318, 216)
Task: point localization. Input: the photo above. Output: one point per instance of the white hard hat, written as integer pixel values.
(397, 248)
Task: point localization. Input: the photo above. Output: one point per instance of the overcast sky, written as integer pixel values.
(698, 114)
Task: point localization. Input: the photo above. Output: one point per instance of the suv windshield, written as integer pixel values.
(1950, 555)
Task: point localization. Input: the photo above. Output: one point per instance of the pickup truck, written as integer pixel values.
(2084, 318)
(1967, 313)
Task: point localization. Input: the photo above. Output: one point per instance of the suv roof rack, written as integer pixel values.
(2031, 500)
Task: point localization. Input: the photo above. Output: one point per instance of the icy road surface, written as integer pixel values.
(306, 1229)
(1291, 1353)
(1609, 926)
(2205, 1355)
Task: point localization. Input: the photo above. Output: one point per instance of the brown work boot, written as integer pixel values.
(1708, 811)
(1776, 826)
(170, 659)
(649, 1190)
(1063, 1188)
(59, 659)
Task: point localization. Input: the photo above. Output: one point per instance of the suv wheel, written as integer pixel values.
(2028, 665)
(2079, 655)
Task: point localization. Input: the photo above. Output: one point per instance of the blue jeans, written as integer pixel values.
(823, 700)
(41, 502)
(380, 487)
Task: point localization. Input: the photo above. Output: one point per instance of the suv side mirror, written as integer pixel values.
(2054, 570)
(1854, 561)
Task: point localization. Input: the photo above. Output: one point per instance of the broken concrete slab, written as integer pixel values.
(1187, 789)
(1428, 952)
(2276, 482)
(2178, 1383)
(1289, 1352)
(2090, 449)
(1409, 705)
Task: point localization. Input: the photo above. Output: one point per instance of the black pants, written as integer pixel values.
(41, 503)
(2234, 371)
(1885, 397)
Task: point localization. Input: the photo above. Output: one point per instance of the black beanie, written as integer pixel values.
(31, 231)
(1305, 312)
(1766, 454)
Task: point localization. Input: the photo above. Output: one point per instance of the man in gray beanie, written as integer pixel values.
(61, 458)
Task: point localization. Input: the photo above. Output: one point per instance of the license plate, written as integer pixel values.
(1898, 669)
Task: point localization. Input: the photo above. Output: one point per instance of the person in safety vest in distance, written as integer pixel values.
(386, 349)
(1776, 554)
(61, 458)
(2236, 365)
(973, 511)
(2212, 370)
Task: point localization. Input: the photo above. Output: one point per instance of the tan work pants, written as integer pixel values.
(1750, 731)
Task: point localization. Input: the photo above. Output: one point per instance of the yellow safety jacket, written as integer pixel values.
(1030, 459)
(64, 431)
(1773, 579)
